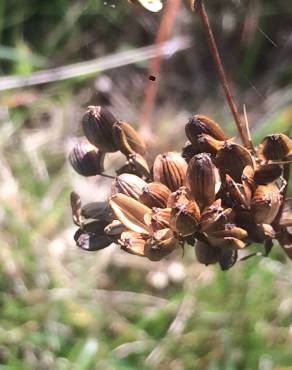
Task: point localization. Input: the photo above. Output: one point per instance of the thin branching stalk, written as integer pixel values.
(221, 72)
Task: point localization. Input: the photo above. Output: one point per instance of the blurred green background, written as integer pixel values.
(63, 308)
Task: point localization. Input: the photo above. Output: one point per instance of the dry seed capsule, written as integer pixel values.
(97, 124)
(91, 242)
(76, 208)
(158, 218)
(226, 242)
(114, 229)
(201, 180)
(133, 243)
(128, 184)
(228, 257)
(200, 124)
(161, 244)
(265, 203)
(179, 197)
(276, 146)
(155, 194)
(206, 254)
(237, 193)
(267, 173)
(215, 217)
(170, 169)
(127, 139)
(189, 150)
(231, 159)
(130, 212)
(209, 144)
(86, 159)
(140, 165)
(185, 218)
(230, 230)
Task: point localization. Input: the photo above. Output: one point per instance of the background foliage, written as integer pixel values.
(62, 308)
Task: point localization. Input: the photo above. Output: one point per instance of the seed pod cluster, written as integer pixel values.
(216, 196)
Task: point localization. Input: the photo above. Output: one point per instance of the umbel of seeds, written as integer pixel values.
(216, 196)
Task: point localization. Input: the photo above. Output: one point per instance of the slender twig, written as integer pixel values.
(220, 70)
(154, 67)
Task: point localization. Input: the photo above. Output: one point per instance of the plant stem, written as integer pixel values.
(221, 72)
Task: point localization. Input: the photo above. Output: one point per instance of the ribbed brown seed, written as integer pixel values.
(76, 208)
(178, 197)
(130, 212)
(161, 244)
(266, 203)
(155, 194)
(97, 125)
(170, 169)
(267, 173)
(206, 254)
(200, 124)
(231, 159)
(185, 218)
(86, 159)
(128, 184)
(200, 180)
(215, 217)
(276, 147)
(133, 243)
(158, 218)
(127, 139)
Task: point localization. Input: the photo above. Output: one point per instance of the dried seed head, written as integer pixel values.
(200, 124)
(133, 242)
(130, 212)
(86, 159)
(185, 218)
(206, 254)
(91, 242)
(201, 180)
(128, 184)
(161, 244)
(158, 218)
(265, 203)
(127, 139)
(231, 159)
(155, 194)
(170, 169)
(276, 146)
(267, 173)
(97, 125)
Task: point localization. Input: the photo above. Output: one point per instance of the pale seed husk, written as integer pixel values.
(265, 203)
(76, 208)
(185, 218)
(231, 159)
(230, 230)
(140, 165)
(114, 229)
(161, 244)
(130, 212)
(158, 218)
(86, 159)
(170, 169)
(226, 242)
(128, 184)
(127, 139)
(151, 5)
(155, 194)
(201, 180)
(97, 124)
(133, 243)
